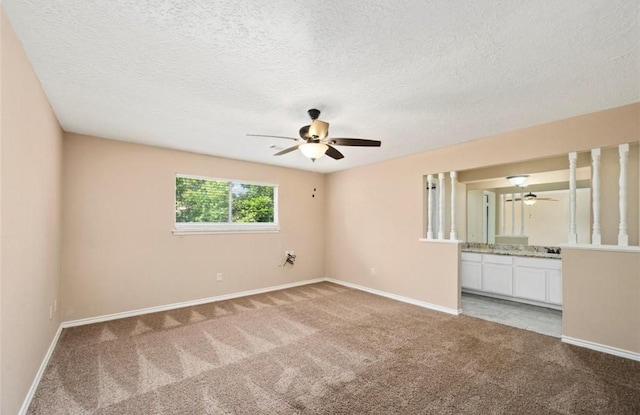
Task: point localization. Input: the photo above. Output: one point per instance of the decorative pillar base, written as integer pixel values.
(573, 238)
(429, 235)
(453, 236)
(440, 235)
(623, 240)
(596, 239)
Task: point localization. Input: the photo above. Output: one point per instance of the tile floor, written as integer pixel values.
(529, 317)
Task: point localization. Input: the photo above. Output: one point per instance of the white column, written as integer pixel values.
(596, 236)
(573, 236)
(623, 237)
(453, 235)
(441, 207)
(503, 200)
(521, 214)
(513, 213)
(429, 206)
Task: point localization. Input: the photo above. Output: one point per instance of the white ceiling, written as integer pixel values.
(197, 75)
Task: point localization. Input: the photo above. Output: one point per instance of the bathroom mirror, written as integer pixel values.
(491, 209)
(535, 214)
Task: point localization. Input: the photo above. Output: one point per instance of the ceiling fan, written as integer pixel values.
(314, 141)
(530, 199)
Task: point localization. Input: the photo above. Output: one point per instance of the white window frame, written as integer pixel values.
(184, 228)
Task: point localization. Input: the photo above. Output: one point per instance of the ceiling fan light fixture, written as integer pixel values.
(313, 151)
(319, 129)
(518, 180)
(530, 199)
(313, 142)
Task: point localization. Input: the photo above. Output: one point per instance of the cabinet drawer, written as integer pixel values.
(498, 259)
(538, 262)
(471, 256)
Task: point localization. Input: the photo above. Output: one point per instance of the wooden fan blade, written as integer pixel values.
(272, 136)
(334, 153)
(286, 150)
(358, 142)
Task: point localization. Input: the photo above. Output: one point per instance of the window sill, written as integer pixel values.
(224, 231)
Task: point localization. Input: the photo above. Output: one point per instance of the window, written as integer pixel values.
(211, 205)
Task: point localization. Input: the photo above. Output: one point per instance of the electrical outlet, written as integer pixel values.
(373, 271)
(292, 252)
(50, 312)
(219, 276)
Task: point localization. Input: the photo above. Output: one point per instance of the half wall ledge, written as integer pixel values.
(441, 241)
(610, 248)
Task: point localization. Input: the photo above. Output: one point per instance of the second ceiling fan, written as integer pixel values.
(314, 141)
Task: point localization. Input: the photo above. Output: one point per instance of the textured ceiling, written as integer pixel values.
(197, 75)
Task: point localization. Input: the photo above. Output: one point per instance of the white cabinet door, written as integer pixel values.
(497, 278)
(471, 275)
(530, 283)
(554, 287)
(524, 279)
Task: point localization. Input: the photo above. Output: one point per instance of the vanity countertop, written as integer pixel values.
(552, 252)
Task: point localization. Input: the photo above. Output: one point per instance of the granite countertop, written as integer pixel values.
(513, 250)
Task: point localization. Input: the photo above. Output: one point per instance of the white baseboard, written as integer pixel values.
(36, 381)
(601, 348)
(149, 310)
(397, 297)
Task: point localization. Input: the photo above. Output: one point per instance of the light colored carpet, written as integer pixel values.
(326, 349)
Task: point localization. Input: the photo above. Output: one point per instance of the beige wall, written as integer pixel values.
(601, 293)
(374, 220)
(375, 217)
(31, 154)
(119, 253)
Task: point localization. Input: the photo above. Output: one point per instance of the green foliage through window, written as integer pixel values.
(216, 201)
